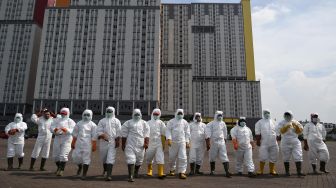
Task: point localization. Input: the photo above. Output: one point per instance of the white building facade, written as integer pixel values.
(99, 53)
(205, 66)
(19, 47)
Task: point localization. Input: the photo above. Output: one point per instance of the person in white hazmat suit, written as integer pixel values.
(62, 128)
(178, 136)
(265, 131)
(290, 143)
(135, 140)
(109, 133)
(15, 131)
(243, 144)
(216, 135)
(84, 142)
(197, 142)
(43, 119)
(314, 134)
(156, 144)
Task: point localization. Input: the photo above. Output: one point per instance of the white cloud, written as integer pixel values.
(269, 13)
(296, 58)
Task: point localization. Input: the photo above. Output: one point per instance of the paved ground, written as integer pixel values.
(25, 178)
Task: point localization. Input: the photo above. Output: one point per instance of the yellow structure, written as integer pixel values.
(249, 52)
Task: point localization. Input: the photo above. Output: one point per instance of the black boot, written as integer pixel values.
(314, 169)
(192, 169)
(299, 169)
(105, 169)
(62, 167)
(85, 169)
(226, 168)
(109, 172)
(323, 167)
(10, 163)
(287, 168)
(58, 164)
(198, 167)
(212, 168)
(32, 162)
(79, 170)
(20, 162)
(252, 174)
(136, 171)
(43, 161)
(131, 172)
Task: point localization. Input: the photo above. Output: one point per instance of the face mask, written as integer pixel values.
(242, 124)
(63, 116)
(315, 120)
(17, 119)
(136, 117)
(86, 117)
(267, 115)
(179, 117)
(156, 117)
(288, 118)
(109, 114)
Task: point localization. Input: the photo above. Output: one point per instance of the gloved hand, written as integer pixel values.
(285, 128)
(146, 143)
(117, 142)
(55, 130)
(163, 141)
(252, 144)
(298, 129)
(208, 145)
(94, 145)
(306, 147)
(187, 145)
(73, 143)
(169, 142)
(64, 129)
(11, 132)
(235, 144)
(123, 143)
(258, 138)
(104, 137)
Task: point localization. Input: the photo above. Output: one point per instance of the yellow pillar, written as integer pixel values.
(249, 52)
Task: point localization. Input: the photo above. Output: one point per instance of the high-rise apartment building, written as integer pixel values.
(207, 61)
(20, 33)
(96, 53)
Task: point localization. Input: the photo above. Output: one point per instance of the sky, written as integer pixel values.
(295, 55)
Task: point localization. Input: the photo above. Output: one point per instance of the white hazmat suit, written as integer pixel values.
(109, 133)
(216, 134)
(156, 143)
(178, 136)
(85, 135)
(135, 137)
(242, 139)
(15, 131)
(314, 135)
(290, 143)
(197, 141)
(265, 130)
(62, 128)
(84, 142)
(43, 141)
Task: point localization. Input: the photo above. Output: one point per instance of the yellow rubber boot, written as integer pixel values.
(261, 168)
(150, 170)
(160, 171)
(272, 169)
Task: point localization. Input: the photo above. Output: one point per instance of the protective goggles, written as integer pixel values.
(86, 115)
